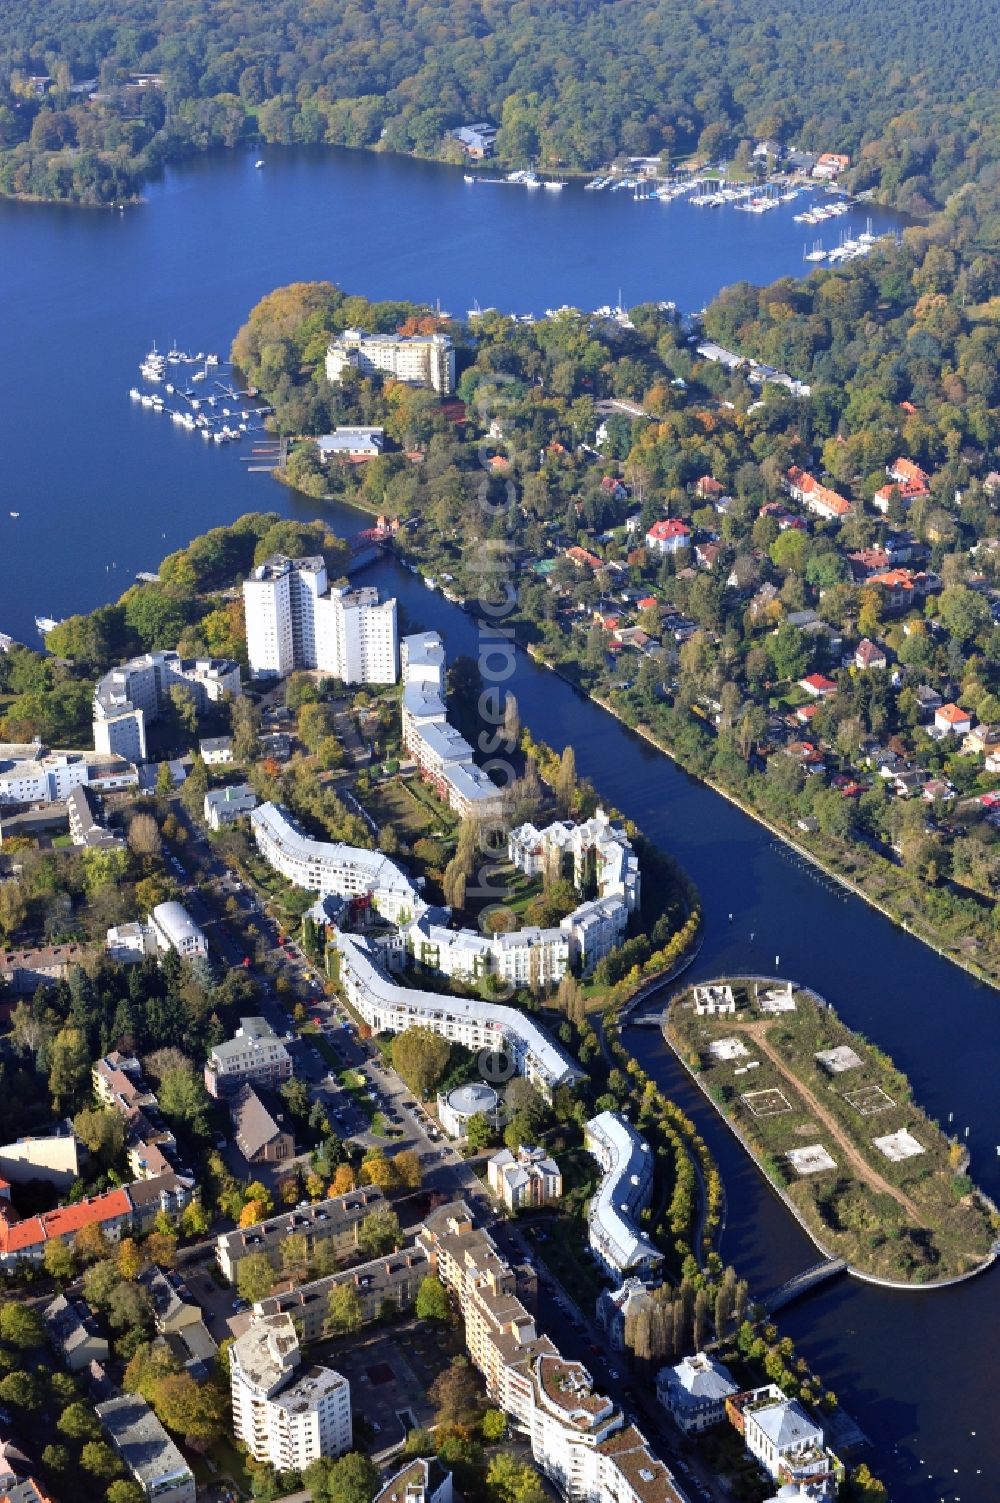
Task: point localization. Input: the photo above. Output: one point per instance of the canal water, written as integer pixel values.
(104, 489)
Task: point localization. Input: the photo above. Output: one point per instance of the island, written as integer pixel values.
(833, 1124)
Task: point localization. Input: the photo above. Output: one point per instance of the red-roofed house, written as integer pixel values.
(818, 685)
(583, 559)
(707, 554)
(905, 472)
(902, 587)
(805, 713)
(646, 602)
(953, 720)
(669, 536)
(869, 655)
(814, 496)
(708, 488)
(830, 164)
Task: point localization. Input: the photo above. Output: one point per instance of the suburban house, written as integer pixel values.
(216, 751)
(73, 1333)
(815, 497)
(830, 164)
(528, 1178)
(952, 720)
(708, 488)
(818, 685)
(984, 741)
(869, 655)
(669, 536)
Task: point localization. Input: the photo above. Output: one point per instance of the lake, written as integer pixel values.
(104, 489)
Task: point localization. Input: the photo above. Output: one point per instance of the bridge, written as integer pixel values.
(648, 1020)
(802, 1282)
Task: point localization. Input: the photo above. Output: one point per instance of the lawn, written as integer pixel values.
(408, 808)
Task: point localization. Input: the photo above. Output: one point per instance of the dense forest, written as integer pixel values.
(905, 90)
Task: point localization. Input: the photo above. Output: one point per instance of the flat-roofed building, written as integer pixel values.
(333, 1223)
(419, 1481)
(296, 619)
(416, 359)
(132, 695)
(146, 1449)
(31, 774)
(285, 1415)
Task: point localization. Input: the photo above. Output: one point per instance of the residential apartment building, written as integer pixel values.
(388, 1007)
(389, 1281)
(146, 1449)
(444, 758)
(128, 697)
(331, 1224)
(285, 1416)
(176, 930)
(224, 806)
(332, 869)
(623, 1194)
(255, 1055)
(787, 1441)
(23, 971)
(533, 957)
(130, 944)
(578, 1438)
(50, 1157)
(296, 619)
(529, 1177)
(420, 1481)
(417, 359)
(86, 827)
(694, 1392)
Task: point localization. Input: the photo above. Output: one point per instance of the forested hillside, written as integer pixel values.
(906, 90)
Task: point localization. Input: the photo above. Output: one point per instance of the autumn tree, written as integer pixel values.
(344, 1314)
(420, 1056)
(254, 1277)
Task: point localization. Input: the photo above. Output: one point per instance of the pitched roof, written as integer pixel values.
(671, 527)
(953, 714)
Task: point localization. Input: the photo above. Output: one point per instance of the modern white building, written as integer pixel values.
(420, 1481)
(529, 1177)
(694, 1392)
(533, 957)
(30, 774)
(351, 443)
(623, 1194)
(444, 758)
(128, 697)
(128, 944)
(296, 619)
(285, 1417)
(417, 359)
(390, 1008)
(329, 868)
(475, 1099)
(593, 854)
(175, 929)
(787, 1441)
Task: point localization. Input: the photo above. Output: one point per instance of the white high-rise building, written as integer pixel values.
(286, 1417)
(128, 697)
(296, 620)
(418, 359)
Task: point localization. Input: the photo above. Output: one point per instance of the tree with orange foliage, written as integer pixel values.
(343, 1181)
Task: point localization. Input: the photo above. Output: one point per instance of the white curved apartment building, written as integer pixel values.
(622, 1196)
(329, 867)
(389, 1008)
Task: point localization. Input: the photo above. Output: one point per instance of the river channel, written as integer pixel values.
(104, 489)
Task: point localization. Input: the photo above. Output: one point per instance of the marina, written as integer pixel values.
(207, 413)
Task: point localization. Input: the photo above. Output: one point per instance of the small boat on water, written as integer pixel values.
(468, 177)
(554, 186)
(15, 514)
(46, 624)
(259, 162)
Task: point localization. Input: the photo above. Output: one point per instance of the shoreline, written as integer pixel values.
(858, 1273)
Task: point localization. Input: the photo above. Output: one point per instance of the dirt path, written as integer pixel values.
(861, 1166)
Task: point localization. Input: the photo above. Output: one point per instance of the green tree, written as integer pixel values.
(379, 1232)
(254, 1277)
(343, 1310)
(420, 1056)
(21, 1327)
(69, 1066)
(432, 1300)
(479, 1132)
(350, 1479)
(99, 1460)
